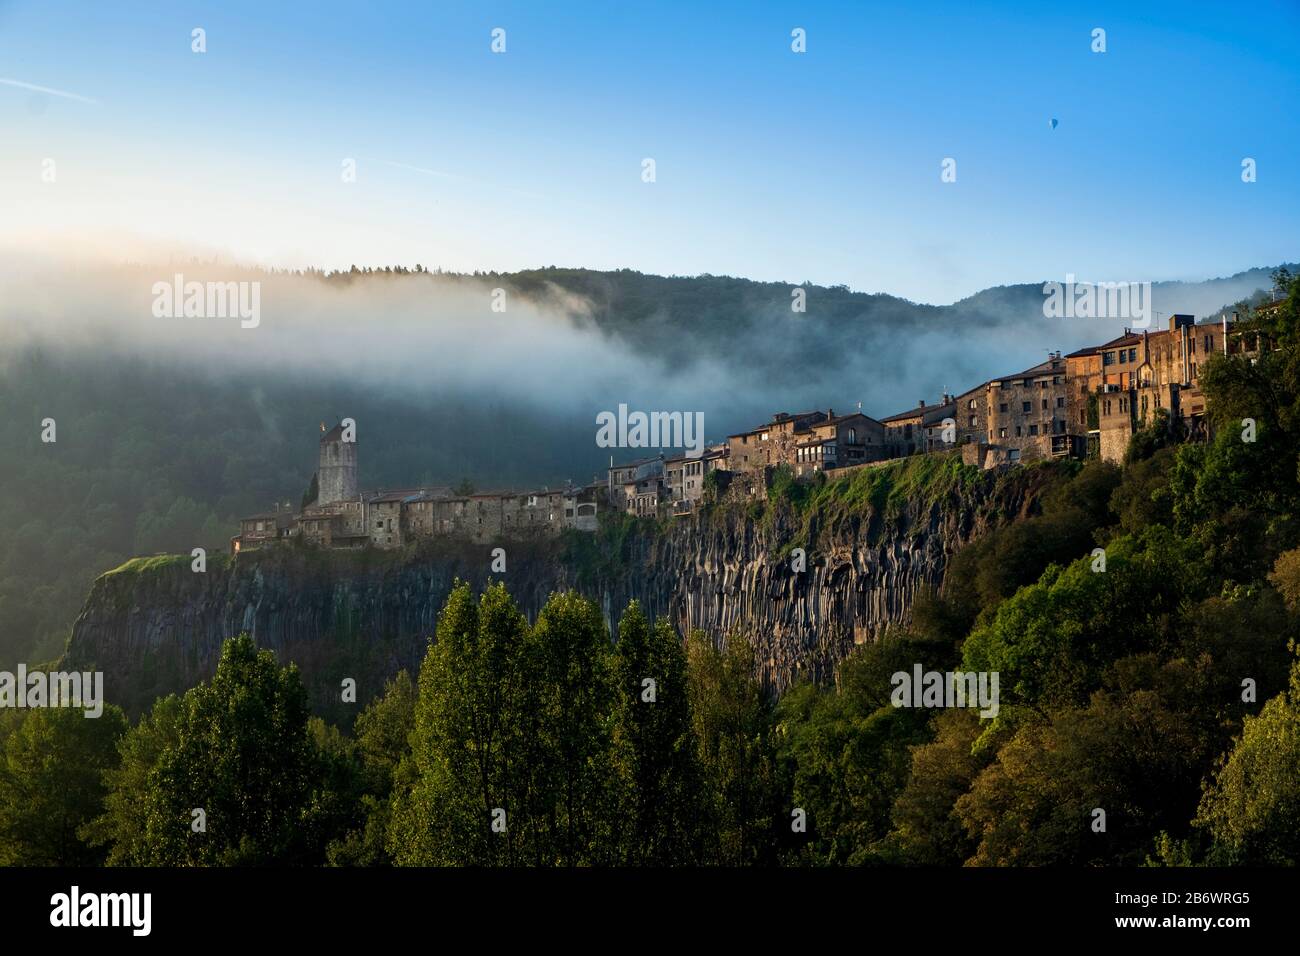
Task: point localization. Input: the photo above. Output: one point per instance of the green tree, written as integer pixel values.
(572, 801)
(1137, 752)
(244, 757)
(654, 744)
(927, 830)
(1052, 641)
(383, 746)
(51, 784)
(313, 491)
(122, 828)
(1252, 808)
(468, 753)
(1285, 576)
(850, 748)
(748, 811)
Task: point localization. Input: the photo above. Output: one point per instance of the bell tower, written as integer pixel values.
(337, 473)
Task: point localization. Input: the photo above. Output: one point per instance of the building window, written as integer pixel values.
(1108, 358)
(1132, 355)
(1002, 433)
(1033, 429)
(1017, 431)
(1025, 406)
(1044, 404)
(1002, 407)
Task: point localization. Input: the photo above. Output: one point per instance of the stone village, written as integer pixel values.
(1086, 404)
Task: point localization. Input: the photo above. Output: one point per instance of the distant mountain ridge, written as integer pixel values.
(686, 320)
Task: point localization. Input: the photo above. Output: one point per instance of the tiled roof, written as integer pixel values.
(839, 419)
(1128, 338)
(1042, 368)
(918, 412)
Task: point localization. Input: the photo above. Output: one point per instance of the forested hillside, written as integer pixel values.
(1156, 692)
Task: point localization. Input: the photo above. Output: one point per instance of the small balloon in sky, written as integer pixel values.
(1053, 122)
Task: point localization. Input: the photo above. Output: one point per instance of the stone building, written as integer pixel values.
(644, 496)
(1163, 374)
(839, 441)
(684, 476)
(1027, 411)
(769, 445)
(939, 426)
(384, 514)
(336, 475)
(970, 410)
(259, 530)
(1118, 387)
(633, 478)
(920, 429)
(394, 518)
(580, 507)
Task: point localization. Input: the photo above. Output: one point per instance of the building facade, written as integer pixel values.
(395, 518)
(1028, 411)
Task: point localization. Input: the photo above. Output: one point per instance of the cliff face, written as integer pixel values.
(155, 626)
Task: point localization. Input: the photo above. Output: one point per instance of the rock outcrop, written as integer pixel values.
(155, 626)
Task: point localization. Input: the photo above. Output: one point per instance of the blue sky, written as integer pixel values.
(822, 166)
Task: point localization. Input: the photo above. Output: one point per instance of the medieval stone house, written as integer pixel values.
(342, 517)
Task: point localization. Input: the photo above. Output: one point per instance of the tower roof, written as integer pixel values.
(334, 434)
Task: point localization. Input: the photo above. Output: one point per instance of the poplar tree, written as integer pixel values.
(465, 805)
(571, 801)
(654, 745)
(747, 811)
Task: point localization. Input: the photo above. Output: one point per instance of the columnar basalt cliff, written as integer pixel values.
(155, 626)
